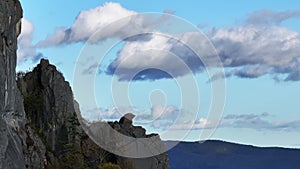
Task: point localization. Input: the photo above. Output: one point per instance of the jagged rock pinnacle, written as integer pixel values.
(127, 118)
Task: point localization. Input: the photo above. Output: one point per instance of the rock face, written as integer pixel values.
(54, 129)
(12, 116)
(49, 107)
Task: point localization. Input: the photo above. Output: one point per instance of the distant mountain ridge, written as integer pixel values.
(214, 154)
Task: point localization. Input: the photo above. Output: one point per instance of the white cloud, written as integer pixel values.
(155, 56)
(172, 118)
(25, 37)
(259, 122)
(109, 20)
(164, 112)
(26, 50)
(249, 50)
(90, 21)
(202, 123)
(111, 113)
(256, 50)
(156, 113)
(258, 47)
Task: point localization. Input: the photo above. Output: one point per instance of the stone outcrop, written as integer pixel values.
(48, 103)
(134, 148)
(12, 116)
(125, 126)
(55, 130)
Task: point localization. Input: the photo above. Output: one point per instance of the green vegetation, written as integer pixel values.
(20, 74)
(73, 161)
(40, 133)
(74, 123)
(109, 166)
(126, 163)
(32, 103)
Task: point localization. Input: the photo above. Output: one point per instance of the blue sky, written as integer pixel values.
(256, 41)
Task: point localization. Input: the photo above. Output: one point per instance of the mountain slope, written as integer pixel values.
(224, 155)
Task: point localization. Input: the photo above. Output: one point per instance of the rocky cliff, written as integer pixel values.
(12, 116)
(49, 105)
(62, 142)
(55, 130)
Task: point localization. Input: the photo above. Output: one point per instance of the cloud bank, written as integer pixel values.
(155, 56)
(259, 122)
(172, 118)
(256, 50)
(260, 46)
(249, 51)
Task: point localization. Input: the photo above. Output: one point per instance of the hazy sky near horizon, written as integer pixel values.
(256, 41)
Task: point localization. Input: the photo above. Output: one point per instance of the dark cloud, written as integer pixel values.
(145, 74)
(294, 76)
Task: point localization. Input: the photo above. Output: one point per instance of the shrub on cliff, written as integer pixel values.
(109, 166)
